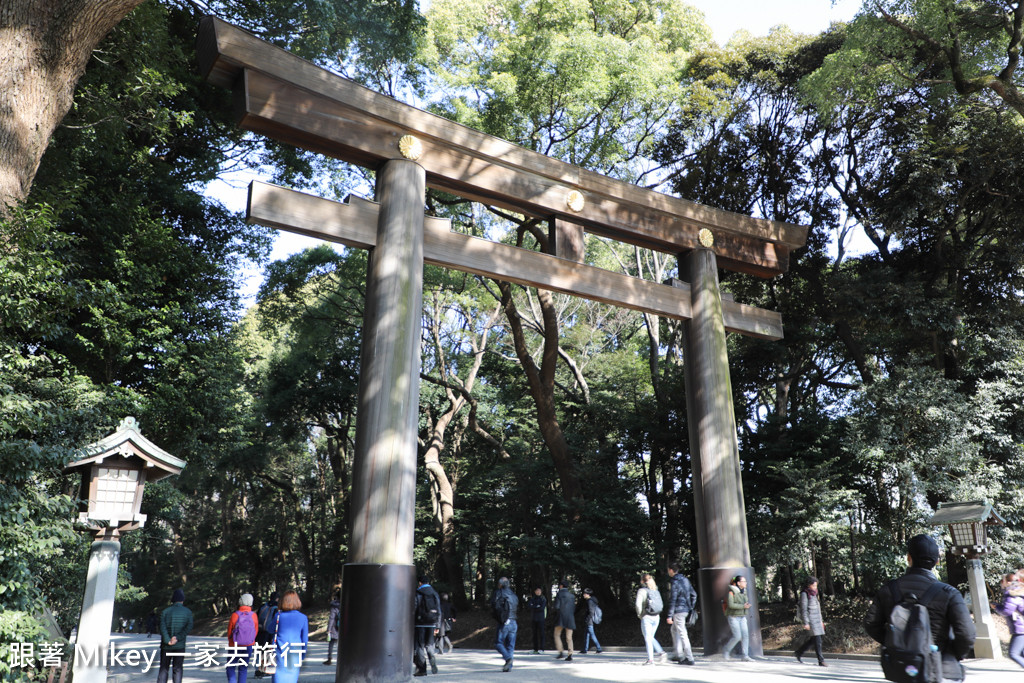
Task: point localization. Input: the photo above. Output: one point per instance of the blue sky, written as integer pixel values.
(757, 16)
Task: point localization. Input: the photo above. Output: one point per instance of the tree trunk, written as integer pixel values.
(542, 388)
(786, 579)
(480, 588)
(44, 48)
(853, 553)
(826, 584)
(448, 568)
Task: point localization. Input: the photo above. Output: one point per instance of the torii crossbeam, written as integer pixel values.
(294, 101)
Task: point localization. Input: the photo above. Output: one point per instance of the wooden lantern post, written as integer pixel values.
(968, 523)
(114, 471)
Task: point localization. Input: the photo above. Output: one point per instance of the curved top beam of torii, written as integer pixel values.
(294, 101)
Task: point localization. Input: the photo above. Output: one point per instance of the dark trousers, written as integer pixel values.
(538, 634)
(807, 644)
(174, 662)
(424, 648)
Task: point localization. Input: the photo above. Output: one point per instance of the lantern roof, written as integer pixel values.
(127, 442)
(969, 511)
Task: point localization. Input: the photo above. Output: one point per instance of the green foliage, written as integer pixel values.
(46, 409)
(368, 37)
(585, 82)
(940, 47)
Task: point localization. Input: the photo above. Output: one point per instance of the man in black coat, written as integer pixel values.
(538, 605)
(428, 621)
(505, 606)
(946, 611)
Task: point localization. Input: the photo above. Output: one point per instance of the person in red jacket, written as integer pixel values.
(241, 637)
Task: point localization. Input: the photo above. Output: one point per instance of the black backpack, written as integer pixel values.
(502, 608)
(428, 607)
(908, 654)
(267, 619)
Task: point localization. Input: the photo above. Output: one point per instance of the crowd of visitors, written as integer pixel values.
(915, 600)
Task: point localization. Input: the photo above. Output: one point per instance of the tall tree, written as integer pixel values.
(589, 83)
(44, 49)
(971, 48)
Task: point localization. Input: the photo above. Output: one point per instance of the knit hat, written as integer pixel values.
(245, 600)
(924, 551)
(178, 596)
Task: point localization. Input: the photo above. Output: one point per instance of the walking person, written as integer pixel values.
(809, 612)
(505, 606)
(266, 618)
(737, 609)
(565, 619)
(538, 606)
(648, 607)
(333, 615)
(1012, 607)
(428, 622)
(291, 636)
(242, 628)
(448, 614)
(682, 600)
(951, 624)
(591, 616)
(175, 625)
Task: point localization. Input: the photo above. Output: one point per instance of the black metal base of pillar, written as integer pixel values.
(375, 636)
(713, 586)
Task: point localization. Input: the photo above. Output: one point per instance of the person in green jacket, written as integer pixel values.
(175, 625)
(737, 607)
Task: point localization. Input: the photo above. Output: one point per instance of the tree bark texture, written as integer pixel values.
(44, 48)
(541, 381)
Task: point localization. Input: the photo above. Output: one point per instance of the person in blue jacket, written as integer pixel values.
(292, 638)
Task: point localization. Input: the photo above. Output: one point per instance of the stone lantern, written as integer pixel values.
(114, 471)
(968, 523)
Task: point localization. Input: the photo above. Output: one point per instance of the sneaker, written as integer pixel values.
(747, 659)
(727, 658)
(822, 664)
(508, 665)
(560, 656)
(535, 652)
(799, 658)
(600, 651)
(569, 658)
(420, 673)
(328, 663)
(688, 662)
(662, 658)
(649, 662)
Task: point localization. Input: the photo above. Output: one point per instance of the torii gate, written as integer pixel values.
(296, 102)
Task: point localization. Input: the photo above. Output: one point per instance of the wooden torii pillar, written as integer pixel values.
(296, 102)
